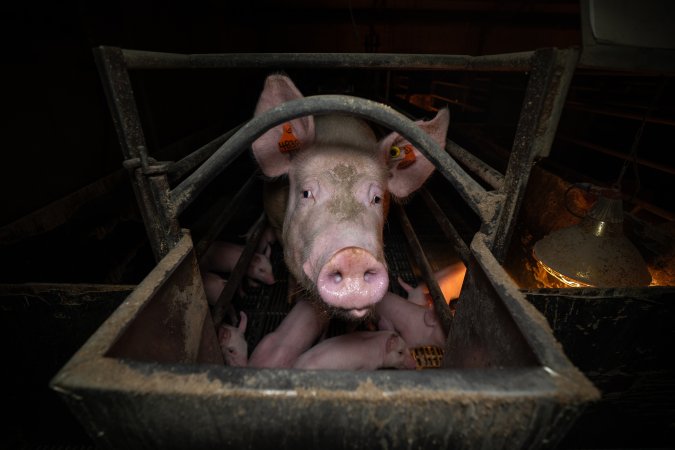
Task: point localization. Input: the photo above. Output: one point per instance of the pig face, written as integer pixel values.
(233, 343)
(260, 268)
(397, 355)
(333, 225)
(340, 178)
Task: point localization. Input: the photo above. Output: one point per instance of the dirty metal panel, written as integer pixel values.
(126, 402)
(172, 319)
(623, 339)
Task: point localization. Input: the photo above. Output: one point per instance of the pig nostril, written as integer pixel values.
(337, 277)
(369, 275)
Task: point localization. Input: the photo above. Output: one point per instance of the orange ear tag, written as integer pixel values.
(288, 142)
(408, 157)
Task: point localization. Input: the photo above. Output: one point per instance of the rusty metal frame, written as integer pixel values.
(547, 87)
(550, 74)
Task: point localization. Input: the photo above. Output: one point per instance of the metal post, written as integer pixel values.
(549, 81)
(117, 85)
(440, 306)
(237, 275)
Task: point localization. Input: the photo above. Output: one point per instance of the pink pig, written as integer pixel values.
(223, 256)
(303, 325)
(267, 239)
(449, 279)
(213, 286)
(417, 325)
(330, 210)
(360, 350)
(233, 343)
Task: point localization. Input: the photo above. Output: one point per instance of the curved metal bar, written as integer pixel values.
(472, 192)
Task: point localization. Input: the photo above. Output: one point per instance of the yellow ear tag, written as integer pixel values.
(408, 157)
(288, 142)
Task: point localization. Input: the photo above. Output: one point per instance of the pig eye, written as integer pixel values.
(377, 200)
(307, 194)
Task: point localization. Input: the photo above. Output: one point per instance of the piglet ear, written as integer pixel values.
(392, 341)
(242, 321)
(272, 149)
(408, 168)
(224, 335)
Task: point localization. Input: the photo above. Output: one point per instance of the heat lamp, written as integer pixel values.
(595, 252)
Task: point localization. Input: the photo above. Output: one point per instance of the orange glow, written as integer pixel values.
(450, 280)
(558, 276)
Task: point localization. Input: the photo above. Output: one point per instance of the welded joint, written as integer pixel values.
(149, 166)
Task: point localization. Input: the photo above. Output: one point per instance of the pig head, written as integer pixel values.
(334, 205)
(233, 343)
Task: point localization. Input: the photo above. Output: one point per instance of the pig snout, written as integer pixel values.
(353, 279)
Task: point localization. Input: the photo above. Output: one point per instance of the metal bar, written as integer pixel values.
(476, 165)
(544, 98)
(440, 306)
(178, 169)
(237, 275)
(511, 62)
(564, 64)
(146, 206)
(227, 214)
(458, 244)
(117, 86)
(169, 232)
(472, 192)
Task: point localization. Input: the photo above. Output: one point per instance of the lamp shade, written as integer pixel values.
(594, 252)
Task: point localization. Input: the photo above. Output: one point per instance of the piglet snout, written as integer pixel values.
(353, 280)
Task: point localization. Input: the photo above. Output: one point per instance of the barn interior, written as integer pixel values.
(74, 241)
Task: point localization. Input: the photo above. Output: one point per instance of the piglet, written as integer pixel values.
(267, 238)
(303, 325)
(223, 256)
(213, 286)
(449, 279)
(233, 342)
(417, 325)
(360, 350)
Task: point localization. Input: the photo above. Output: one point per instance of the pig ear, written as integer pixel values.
(405, 285)
(242, 321)
(430, 318)
(392, 340)
(271, 150)
(408, 168)
(224, 335)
